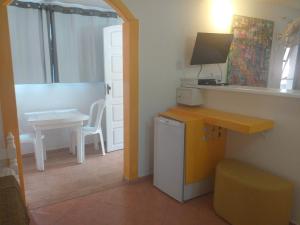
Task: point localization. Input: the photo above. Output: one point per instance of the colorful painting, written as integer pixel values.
(249, 57)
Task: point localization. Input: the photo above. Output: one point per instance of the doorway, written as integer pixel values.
(62, 85)
(113, 58)
(8, 102)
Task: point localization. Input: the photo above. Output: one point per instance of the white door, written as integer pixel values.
(113, 63)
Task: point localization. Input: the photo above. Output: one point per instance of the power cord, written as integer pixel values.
(221, 72)
(199, 73)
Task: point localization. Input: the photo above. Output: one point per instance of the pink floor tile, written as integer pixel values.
(131, 204)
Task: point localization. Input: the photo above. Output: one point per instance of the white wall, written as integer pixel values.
(39, 97)
(167, 37)
(199, 19)
(277, 151)
(161, 47)
(167, 34)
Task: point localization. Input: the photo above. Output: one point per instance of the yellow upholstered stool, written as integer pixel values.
(245, 195)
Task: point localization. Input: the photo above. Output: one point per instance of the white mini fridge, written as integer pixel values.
(169, 157)
(169, 162)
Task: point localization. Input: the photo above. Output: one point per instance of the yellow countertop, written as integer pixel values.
(231, 121)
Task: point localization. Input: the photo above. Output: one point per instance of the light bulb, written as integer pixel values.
(222, 12)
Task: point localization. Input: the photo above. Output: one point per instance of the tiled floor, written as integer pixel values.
(94, 193)
(64, 179)
(130, 204)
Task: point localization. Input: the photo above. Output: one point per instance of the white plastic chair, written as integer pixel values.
(94, 124)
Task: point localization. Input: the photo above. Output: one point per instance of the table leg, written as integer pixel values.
(96, 141)
(72, 141)
(80, 145)
(39, 151)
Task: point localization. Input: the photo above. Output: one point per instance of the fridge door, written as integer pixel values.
(169, 157)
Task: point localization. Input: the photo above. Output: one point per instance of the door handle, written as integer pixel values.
(108, 89)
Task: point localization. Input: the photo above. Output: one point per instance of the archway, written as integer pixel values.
(131, 84)
(131, 88)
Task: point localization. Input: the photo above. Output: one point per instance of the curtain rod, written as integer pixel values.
(64, 9)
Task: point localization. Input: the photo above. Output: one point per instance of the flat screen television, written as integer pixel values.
(211, 48)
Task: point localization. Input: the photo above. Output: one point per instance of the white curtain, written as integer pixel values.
(80, 47)
(28, 45)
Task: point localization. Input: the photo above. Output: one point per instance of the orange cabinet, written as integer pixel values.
(205, 137)
(204, 146)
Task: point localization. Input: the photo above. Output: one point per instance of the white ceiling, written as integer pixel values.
(289, 3)
(101, 3)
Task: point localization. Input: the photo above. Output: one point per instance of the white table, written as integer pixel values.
(54, 119)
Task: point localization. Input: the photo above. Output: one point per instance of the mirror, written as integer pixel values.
(57, 44)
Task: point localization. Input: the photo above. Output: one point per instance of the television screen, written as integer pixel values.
(211, 48)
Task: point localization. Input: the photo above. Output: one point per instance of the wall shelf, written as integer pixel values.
(253, 90)
(231, 121)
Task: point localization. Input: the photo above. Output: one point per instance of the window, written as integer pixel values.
(290, 69)
(57, 44)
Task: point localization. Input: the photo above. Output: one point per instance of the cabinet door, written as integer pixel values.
(216, 143)
(204, 148)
